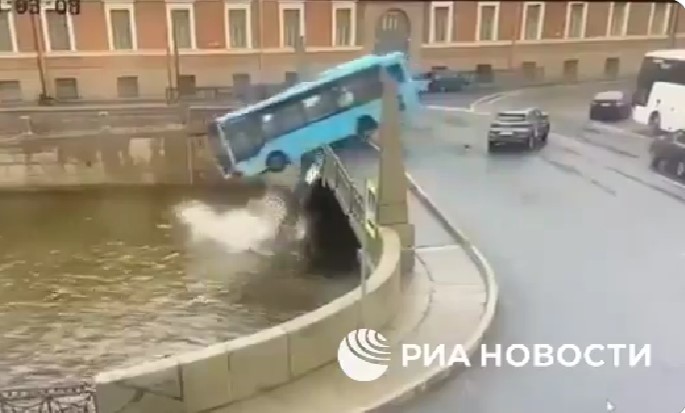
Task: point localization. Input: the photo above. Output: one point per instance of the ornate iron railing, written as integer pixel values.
(63, 399)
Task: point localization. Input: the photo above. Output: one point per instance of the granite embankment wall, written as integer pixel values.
(221, 374)
(169, 158)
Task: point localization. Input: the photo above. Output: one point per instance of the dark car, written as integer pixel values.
(528, 128)
(447, 81)
(668, 155)
(610, 105)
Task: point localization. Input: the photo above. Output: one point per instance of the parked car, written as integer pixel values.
(528, 128)
(447, 81)
(610, 105)
(668, 154)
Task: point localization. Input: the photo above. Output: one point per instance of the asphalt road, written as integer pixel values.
(586, 244)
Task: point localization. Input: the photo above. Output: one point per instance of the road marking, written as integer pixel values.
(458, 109)
(616, 129)
(492, 98)
(434, 248)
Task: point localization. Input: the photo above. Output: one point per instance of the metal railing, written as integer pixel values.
(351, 200)
(63, 399)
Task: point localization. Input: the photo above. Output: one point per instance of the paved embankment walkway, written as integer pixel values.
(446, 301)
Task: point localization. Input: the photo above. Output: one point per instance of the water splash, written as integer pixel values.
(253, 228)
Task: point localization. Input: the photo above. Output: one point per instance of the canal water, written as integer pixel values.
(100, 278)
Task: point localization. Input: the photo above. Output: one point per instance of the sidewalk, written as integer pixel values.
(444, 303)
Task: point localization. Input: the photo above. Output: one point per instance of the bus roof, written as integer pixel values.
(676, 54)
(325, 76)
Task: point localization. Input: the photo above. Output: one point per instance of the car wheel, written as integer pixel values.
(680, 169)
(660, 165)
(655, 124)
(276, 162)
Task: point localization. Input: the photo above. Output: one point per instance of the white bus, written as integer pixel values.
(659, 99)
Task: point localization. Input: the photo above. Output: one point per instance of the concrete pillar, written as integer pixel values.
(393, 210)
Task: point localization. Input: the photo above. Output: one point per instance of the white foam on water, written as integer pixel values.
(251, 228)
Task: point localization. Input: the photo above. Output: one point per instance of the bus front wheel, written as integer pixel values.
(276, 162)
(655, 124)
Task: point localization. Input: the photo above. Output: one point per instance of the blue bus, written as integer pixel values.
(341, 102)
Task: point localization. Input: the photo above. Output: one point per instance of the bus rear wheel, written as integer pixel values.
(276, 162)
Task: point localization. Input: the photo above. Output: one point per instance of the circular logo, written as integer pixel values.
(363, 355)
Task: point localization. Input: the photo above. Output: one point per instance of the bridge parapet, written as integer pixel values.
(335, 176)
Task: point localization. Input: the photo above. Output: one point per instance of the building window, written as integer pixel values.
(292, 23)
(241, 80)
(612, 67)
(659, 18)
(66, 88)
(484, 73)
(618, 19)
(576, 16)
(10, 90)
(533, 18)
(530, 70)
(121, 26)
(390, 21)
(58, 30)
(488, 21)
(238, 26)
(344, 23)
(440, 22)
(8, 37)
(570, 71)
(291, 78)
(127, 87)
(181, 24)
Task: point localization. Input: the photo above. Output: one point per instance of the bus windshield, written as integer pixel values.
(656, 69)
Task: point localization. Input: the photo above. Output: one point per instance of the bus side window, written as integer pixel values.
(316, 107)
(288, 117)
(365, 86)
(395, 71)
(268, 126)
(346, 98)
(329, 100)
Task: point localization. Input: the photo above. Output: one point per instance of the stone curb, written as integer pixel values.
(509, 88)
(249, 365)
(438, 375)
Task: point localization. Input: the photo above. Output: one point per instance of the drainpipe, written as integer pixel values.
(260, 57)
(515, 34)
(675, 13)
(177, 64)
(40, 60)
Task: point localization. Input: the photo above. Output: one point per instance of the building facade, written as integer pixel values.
(124, 48)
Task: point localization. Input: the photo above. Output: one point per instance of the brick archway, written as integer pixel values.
(393, 31)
